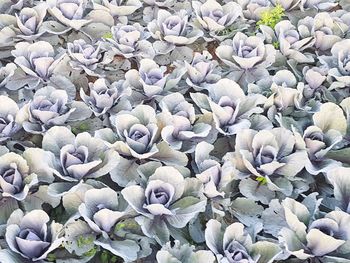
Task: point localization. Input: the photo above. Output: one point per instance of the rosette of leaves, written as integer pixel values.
(247, 57)
(329, 127)
(231, 108)
(107, 215)
(337, 65)
(291, 44)
(21, 184)
(253, 9)
(85, 56)
(182, 128)
(30, 237)
(315, 78)
(233, 244)
(29, 22)
(102, 209)
(130, 41)
(326, 238)
(70, 13)
(104, 96)
(326, 29)
(287, 98)
(209, 172)
(8, 113)
(51, 107)
(214, 18)
(136, 135)
(151, 80)
(36, 64)
(183, 133)
(170, 30)
(16, 177)
(72, 159)
(176, 104)
(165, 202)
(202, 71)
(268, 162)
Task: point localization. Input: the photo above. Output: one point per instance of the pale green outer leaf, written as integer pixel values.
(186, 209)
(75, 230)
(7, 206)
(169, 156)
(321, 244)
(62, 188)
(339, 178)
(125, 172)
(329, 117)
(71, 201)
(342, 155)
(294, 224)
(57, 137)
(255, 191)
(202, 256)
(165, 257)
(293, 244)
(7, 256)
(37, 199)
(275, 211)
(246, 210)
(214, 236)
(298, 209)
(266, 250)
(3, 150)
(154, 228)
(126, 249)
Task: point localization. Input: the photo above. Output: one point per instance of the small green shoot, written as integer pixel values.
(272, 17)
(108, 35)
(261, 180)
(82, 241)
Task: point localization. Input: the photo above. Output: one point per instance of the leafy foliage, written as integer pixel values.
(174, 131)
(272, 17)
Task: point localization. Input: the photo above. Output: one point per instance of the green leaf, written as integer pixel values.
(104, 257)
(272, 17)
(227, 30)
(108, 35)
(342, 155)
(82, 127)
(91, 252)
(82, 241)
(262, 180)
(276, 44)
(51, 257)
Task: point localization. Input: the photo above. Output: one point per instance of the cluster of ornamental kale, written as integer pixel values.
(175, 131)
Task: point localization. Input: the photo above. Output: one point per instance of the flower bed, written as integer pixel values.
(175, 131)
